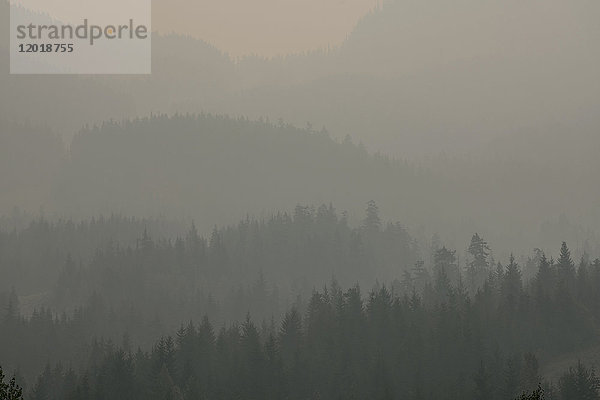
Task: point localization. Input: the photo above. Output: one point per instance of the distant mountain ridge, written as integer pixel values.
(217, 169)
(522, 123)
(413, 79)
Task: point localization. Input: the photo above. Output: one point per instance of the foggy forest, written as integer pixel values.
(318, 200)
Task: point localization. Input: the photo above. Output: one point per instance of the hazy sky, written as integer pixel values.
(98, 12)
(266, 27)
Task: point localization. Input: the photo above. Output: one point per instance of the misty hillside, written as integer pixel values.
(143, 277)
(433, 76)
(410, 213)
(429, 318)
(217, 169)
(224, 168)
(455, 75)
(459, 80)
(187, 74)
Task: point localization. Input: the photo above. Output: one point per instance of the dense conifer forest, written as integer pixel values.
(299, 305)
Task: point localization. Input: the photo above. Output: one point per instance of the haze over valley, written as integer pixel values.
(310, 200)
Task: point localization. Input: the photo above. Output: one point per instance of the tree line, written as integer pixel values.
(345, 345)
(480, 319)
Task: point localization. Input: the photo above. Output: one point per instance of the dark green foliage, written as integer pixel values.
(389, 347)
(512, 286)
(327, 344)
(478, 266)
(372, 221)
(10, 390)
(566, 271)
(446, 272)
(115, 282)
(579, 383)
(537, 394)
(217, 168)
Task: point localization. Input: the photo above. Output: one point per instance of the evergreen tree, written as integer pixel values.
(544, 280)
(10, 390)
(372, 222)
(512, 285)
(477, 268)
(290, 339)
(530, 374)
(566, 269)
(420, 275)
(537, 394)
(445, 267)
(579, 383)
(252, 362)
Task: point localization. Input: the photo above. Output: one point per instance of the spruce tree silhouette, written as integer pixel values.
(537, 394)
(9, 391)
